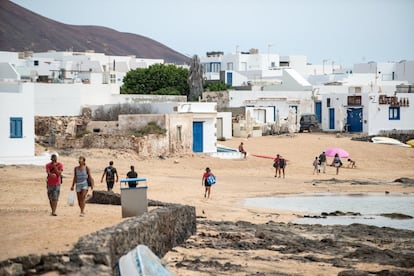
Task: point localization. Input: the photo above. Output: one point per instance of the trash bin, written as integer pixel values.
(134, 200)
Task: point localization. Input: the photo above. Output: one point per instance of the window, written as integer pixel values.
(394, 113)
(215, 67)
(206, 68)
(328, 102)
(354, 100)
(16, 127)
(230, 66)
(179, 138)
(112, 78)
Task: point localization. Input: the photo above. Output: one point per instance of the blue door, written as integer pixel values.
(354, 119)
(318, 111)
(331, 118)
(197, 136)
(229, 78)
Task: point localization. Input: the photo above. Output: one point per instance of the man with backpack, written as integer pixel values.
(111, 176)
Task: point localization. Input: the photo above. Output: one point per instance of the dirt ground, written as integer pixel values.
(27, 227)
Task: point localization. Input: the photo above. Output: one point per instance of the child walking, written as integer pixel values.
(316, 165)
(206, 183)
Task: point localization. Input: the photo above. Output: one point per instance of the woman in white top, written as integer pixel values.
(337, 163)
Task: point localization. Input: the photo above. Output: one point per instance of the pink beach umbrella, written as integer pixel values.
(341, 152)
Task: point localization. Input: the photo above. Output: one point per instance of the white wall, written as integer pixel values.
(280, 99)
(10, 57)
(378, 116)
(206, 113)
(338, 101)
(226, 118)
(209, 131)
(405, 71)
(68, 99)
(17, 101)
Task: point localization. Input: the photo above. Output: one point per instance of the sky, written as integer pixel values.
(340, 31)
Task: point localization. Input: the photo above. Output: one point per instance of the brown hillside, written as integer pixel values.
(23, 30)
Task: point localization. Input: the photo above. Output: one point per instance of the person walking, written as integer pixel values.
(82, 178)
(132, 174)
(322, 161)
(282, 166)
(205, 182)
(111, 176)
(54, 171)
(316, 165)
(337, 163)
(242, 151)
(276, 162)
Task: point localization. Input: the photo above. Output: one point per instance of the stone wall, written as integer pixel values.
(98, 253)
(151, 145)
(79, 132)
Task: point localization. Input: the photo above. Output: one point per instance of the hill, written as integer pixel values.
(24, 30)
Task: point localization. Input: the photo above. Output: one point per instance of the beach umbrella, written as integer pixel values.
(341, 152)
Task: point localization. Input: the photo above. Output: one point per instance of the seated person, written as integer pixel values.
(132, 174)
(241, 150)
(351, 163)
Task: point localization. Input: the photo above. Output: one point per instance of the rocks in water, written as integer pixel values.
(405, 180)
(396, 216)
(340, 213)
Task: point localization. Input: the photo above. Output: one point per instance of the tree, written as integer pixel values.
(158, 79)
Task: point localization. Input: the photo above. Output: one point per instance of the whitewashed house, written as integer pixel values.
(204, 125)
(365, 103)
(17, 134)
(267, 105)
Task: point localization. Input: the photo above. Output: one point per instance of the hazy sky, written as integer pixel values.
(343, 31)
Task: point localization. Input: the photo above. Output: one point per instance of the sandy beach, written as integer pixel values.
(27, 227)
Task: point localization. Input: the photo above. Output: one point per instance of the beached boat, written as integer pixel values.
(388, 141)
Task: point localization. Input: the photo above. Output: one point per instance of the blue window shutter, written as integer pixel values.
(16, 127)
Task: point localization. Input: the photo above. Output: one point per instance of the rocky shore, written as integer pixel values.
(356, 249)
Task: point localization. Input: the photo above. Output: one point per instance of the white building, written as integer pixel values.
(62, 83)
(365, 103)
(16, 121)
(204, 125)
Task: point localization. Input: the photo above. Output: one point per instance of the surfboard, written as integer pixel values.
(263, 156)
(388, 141)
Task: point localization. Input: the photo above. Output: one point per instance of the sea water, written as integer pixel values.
(370, 206)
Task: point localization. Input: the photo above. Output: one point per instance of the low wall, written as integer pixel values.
(98, 253)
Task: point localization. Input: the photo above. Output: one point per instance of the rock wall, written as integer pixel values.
(151, 145)
(80, 132)
(97, 254)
